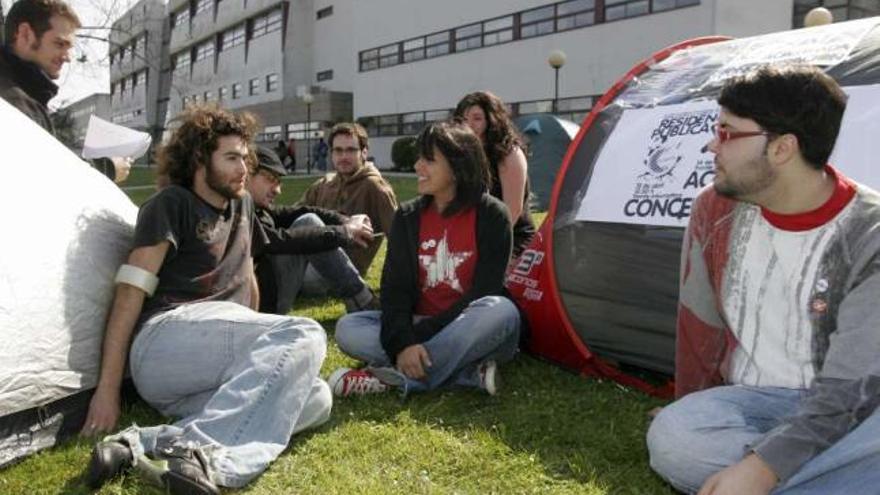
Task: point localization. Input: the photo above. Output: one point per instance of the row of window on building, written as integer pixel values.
(130, 83)
(256, 86)
(257, 25)
(553, 18)
(406, 124)
(124, 118)
(136, 47)
(298, 131)
(83, 112)
(183, 17)
(250, 29)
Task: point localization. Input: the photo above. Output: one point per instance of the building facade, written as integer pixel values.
(258, 55)
(395, 65)
(439, 51)
(138, 81)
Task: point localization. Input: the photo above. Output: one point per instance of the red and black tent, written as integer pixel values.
(599, 283)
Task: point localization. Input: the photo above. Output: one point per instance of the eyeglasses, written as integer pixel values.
(272, 177)
(345, 151)
(725, 135)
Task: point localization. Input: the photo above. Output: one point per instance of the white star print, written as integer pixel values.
(441, 266)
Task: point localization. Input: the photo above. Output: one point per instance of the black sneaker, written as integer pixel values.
(109, 459)
(187, 471)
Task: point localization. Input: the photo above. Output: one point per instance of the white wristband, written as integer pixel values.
(137, 277)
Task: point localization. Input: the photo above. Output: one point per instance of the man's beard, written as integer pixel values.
(215, 182)
(762, 176)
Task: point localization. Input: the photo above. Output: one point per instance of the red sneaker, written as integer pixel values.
(346, 381)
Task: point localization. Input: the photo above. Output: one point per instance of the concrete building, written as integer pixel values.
(417, 59)
(260, 56)
(138, 59)
(97, 104)
(394, 65)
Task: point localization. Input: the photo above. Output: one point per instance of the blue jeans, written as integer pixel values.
(333, 265)
(241, 383)
(707, 431)
(487, 329)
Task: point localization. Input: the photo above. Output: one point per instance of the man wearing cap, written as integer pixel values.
(302, 236)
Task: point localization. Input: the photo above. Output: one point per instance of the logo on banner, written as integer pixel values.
(521, 274)
(673, 164)
(529, 259)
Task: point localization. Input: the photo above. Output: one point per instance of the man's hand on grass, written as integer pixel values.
(103, 412)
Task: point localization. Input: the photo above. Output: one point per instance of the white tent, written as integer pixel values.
(66, 230)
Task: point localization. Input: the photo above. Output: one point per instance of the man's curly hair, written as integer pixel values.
(195, 140)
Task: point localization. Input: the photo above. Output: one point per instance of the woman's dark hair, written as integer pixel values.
(464, 152)
(501, 134)
(195, 140)
(799, 100)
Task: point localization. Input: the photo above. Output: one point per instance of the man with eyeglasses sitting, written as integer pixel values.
(777, 368)
(356, 188)
(303, 236)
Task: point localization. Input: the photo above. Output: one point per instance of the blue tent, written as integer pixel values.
(547, 137)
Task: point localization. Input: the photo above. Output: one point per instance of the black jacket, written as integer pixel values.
(400, 275)
(282, 239)
(26, 87)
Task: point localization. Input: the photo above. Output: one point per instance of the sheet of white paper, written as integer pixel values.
(106, 140)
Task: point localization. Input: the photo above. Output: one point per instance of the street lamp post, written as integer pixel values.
(307, 98)
(556, 60)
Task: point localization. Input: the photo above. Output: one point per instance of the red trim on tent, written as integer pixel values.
(532, 282)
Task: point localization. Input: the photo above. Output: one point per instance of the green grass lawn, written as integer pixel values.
(548, 431)
(291, 190)
(140, 176)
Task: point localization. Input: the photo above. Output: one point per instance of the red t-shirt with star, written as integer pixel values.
(447, 258)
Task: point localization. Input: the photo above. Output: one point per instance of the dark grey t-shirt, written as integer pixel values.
(209, 258)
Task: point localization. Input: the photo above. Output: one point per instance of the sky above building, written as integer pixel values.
(88, 72)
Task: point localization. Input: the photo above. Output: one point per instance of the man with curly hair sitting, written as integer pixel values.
(240, 382)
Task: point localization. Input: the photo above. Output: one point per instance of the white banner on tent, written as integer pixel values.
(857, 148)
(653, 164)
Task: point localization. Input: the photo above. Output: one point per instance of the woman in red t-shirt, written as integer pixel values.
(443, 319)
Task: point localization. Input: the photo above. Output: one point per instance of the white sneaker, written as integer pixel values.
(490, 378)
(346, 381)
